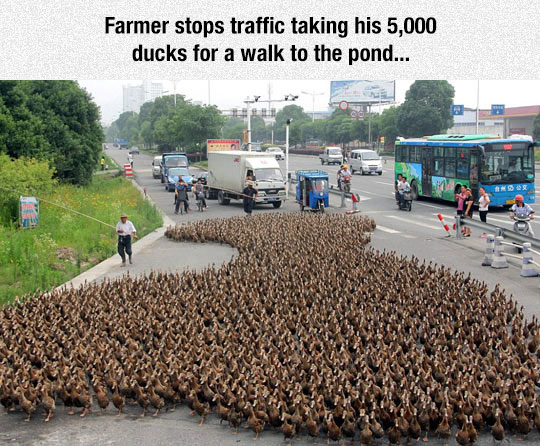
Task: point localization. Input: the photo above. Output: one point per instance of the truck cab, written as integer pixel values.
(331, 155)
(175, 159)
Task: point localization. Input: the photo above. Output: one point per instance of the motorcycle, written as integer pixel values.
(522, 226)
(345, 183)
(405, 204)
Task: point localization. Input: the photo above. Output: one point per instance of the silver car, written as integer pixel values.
(277, 152)
(156, 167)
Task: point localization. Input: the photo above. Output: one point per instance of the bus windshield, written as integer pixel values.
(508, 163)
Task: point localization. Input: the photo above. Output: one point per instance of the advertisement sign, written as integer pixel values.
(362, 91)
(516, 131)
(220, 145)
(28, 212)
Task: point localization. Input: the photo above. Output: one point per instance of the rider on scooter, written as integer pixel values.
(343, 172)
(403, 186)
(521, 209)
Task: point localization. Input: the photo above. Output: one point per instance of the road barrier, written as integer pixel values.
(488, 257)
(499, 260)
(128, 171)
(527, 268)
(355, 201)
(445, 226)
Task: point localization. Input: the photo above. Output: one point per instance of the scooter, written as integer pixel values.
(522, 226)
(405, 204)
(345, 184)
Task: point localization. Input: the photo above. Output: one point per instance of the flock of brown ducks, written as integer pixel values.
(306, 330)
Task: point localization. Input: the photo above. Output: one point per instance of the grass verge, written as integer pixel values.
(201, 165)
(113, 165)
(65, 244)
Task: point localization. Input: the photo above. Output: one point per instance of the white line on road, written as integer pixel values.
(413, 222)
(389, 230)
(382, 182)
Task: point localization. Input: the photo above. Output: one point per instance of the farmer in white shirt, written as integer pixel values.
(125, 228)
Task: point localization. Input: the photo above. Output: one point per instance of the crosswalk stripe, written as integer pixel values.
(389, 230)
(414, 222)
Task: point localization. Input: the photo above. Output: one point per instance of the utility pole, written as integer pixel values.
(287, 156)
(477, 103)
(312, 94)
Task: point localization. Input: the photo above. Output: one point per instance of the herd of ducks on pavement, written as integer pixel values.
(306, 330)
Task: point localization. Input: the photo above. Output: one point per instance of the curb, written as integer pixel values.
(101, 268)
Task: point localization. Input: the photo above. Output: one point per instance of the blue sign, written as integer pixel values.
(497, 109)
(457, 110)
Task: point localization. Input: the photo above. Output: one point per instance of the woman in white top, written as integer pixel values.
(483, 204)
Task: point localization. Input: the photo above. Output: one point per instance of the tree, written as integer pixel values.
(294, 112)
(426, 110)
(536, 127)
(388, 122)
(52, 120)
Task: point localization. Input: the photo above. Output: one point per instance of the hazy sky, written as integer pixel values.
(228, 94)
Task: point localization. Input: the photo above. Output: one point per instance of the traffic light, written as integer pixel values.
(253, 112)
(273, 112)
(263, 112)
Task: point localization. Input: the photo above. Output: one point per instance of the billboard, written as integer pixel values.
(362, 92)
(220, 145)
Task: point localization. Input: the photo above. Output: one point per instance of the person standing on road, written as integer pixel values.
(181, 193)
(130, 160)
(198, 192)
(102, 163)
(250, 195)
(483, 204)
(460, 198)
(124, 229)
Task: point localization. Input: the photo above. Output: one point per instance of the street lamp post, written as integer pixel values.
(312, 94)
(287, 156)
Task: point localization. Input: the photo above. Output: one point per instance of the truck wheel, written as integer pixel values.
(221, 198)
(322, 162)
(276, 204)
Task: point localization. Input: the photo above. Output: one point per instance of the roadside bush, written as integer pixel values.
(21, 176)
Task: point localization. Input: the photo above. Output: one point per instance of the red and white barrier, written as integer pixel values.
(128, 172)
(355, 200)
(445, 226)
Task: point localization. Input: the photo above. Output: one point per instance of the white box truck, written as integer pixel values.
(227, 172)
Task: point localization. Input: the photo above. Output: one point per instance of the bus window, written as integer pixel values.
(462, 170)
(438, 167)
(404, 154)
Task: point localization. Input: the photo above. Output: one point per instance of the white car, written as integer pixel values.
(365, 162)
(156, 167)
(276, 151)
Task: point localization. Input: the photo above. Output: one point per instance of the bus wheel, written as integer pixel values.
(414, 190)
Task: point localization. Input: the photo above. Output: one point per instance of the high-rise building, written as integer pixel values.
(137, 95)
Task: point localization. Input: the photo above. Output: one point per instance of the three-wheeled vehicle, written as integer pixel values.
(312, 190)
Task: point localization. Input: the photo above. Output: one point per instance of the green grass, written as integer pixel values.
(28, 257)
(113, 165)
(202, 165)
(537, 155)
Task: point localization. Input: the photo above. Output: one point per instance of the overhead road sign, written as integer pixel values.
(457, 110)
(497, 109)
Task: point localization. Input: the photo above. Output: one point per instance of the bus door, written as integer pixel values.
(475, 170)
(427, 170)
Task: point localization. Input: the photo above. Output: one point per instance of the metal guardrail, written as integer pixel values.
(504, 232)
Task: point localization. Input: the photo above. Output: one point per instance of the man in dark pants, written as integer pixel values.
(125, 228)
(250, 195)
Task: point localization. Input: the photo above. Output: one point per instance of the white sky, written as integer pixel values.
(227, 94)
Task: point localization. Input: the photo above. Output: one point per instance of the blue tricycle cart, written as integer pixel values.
(312, 190)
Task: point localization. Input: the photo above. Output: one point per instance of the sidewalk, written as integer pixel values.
(155, 252)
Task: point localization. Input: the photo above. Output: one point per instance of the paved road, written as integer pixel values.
(417, 232)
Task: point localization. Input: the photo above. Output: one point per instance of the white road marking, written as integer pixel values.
(382, 182)
(414, 222)
(389, 230)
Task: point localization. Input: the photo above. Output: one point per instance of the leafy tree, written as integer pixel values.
(294, 112)
(52, 120)
(536, 127)
(426, 110)
(388, 122)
